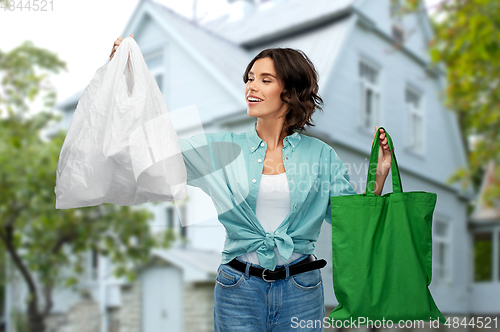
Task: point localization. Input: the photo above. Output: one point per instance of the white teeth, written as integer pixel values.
(254, 99)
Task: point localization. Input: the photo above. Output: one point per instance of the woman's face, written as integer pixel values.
(263, 84)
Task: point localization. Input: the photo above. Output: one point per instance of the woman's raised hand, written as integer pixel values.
(117, 43)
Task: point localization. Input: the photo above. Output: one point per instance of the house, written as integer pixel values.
(484, 239)
(374, 70)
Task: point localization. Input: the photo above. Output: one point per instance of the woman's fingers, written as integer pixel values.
(117, 43)
(383, 139)
(113, 52)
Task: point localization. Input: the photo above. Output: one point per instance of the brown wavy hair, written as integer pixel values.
(300, 79)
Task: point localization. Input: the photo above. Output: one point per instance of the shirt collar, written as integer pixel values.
(254, 140)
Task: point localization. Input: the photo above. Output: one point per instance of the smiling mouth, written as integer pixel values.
(254, 101)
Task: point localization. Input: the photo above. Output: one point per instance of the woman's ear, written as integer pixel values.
(287, 96)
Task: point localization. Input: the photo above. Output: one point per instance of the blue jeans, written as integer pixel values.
(243, 302)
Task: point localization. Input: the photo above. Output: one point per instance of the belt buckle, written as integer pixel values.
(263, 271)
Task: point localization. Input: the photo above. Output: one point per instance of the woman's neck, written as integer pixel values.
(271, 132)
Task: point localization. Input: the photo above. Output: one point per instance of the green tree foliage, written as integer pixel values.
(467, 42)
(46, 246)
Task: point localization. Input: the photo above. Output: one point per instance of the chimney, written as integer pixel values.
(238, 9)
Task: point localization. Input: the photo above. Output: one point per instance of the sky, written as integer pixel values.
(82, 33)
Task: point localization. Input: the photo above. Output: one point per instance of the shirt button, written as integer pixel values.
(261, 144)
(254, 180)
(295, 206)
(253, 147)
(286, 158)
(260, 160)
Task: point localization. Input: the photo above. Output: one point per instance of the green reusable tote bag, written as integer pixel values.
(382, 253)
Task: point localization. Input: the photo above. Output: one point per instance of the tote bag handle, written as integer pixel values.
(372, 168)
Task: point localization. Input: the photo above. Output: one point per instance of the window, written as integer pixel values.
(93, 264)
(414, 122)
(183, 225)
(155, 63)
(396, 14)
(183, 214)
(441, 248)
(170, 217)
(483, 256)
(370, 95)
(154, 59)
(498, 256)
(159, 79)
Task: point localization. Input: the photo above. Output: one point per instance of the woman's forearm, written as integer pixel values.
(379, 183)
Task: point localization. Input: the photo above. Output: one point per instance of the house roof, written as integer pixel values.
(285, 16)
(196, 264)
(227, 56)
(221, 43)
(483, 213)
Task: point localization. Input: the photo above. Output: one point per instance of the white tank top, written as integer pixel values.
(273, 205)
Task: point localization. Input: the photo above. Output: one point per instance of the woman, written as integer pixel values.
(269, 278)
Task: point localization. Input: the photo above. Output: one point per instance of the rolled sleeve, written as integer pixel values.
(206, 157)
(197, 158)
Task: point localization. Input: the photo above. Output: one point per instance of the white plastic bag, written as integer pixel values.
(121, 146)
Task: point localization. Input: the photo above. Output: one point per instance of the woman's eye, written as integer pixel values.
(251, 79)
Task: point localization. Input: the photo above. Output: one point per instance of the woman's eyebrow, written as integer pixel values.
(263, 74)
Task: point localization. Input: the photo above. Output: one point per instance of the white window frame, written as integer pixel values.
(368, 124)
(159, 80)
(495, 233)
(415, 141)
(183, 209)
(170, 220)
(157, 69)
(446, 241)
(496, 253)
(92, 274)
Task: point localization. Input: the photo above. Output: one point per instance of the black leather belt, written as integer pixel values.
(307, 264)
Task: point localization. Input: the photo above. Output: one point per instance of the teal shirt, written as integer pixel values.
(228, 166)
